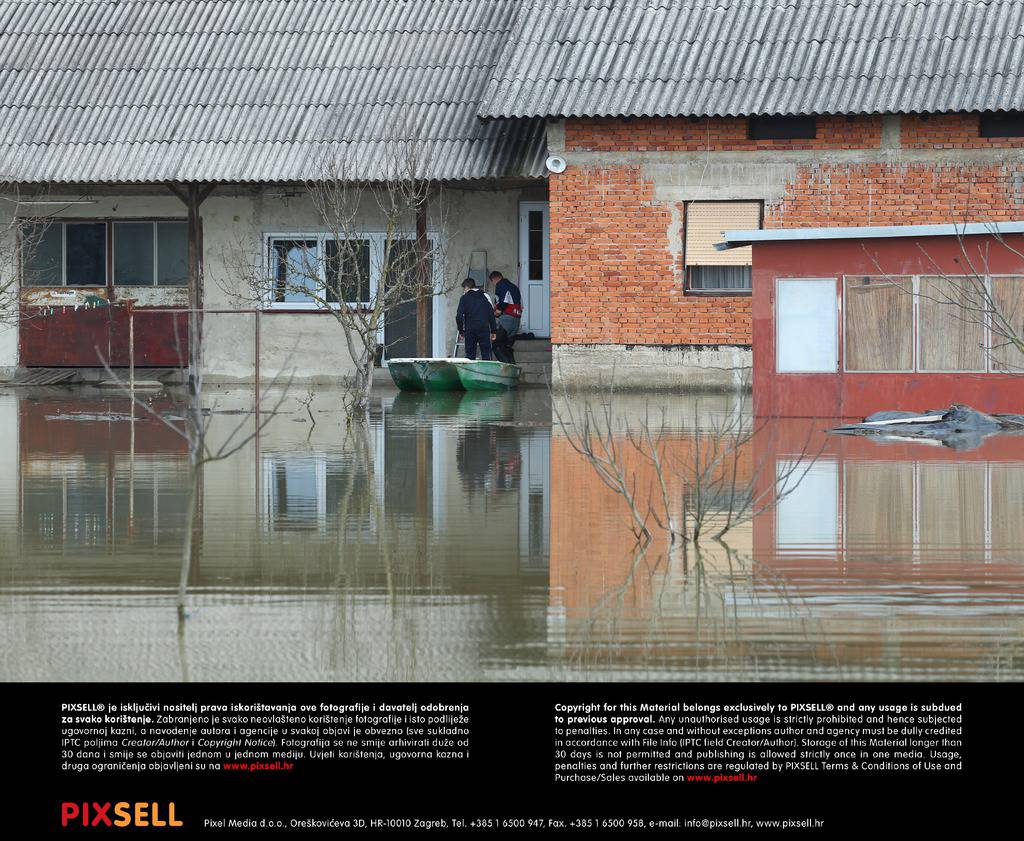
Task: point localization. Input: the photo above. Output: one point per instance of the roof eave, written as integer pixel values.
(741, 239)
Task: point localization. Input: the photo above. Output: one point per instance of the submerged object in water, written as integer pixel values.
(486, 375)
(959, 426)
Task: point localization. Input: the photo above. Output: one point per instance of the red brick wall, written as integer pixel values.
(616, 262)
(876, 194)
(726, 134)
(614, 278)
(950, 131)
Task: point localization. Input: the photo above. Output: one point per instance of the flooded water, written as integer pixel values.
(464, 537)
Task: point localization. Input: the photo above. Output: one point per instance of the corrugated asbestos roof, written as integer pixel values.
(743, 57)
(252, 90)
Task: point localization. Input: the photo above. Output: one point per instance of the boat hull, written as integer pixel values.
(486, 375)
(406, 374)
(440, 375)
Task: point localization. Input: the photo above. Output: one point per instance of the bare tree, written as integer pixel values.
(360, 272)
(22, 227)
(703, 490)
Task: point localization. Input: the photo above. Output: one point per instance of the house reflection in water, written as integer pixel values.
(319, 554)
(883, 526)
(89, 487)
(455, 469)
(885, 561)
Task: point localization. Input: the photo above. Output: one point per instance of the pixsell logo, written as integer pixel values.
(120, 814)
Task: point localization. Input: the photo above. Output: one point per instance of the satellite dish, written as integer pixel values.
(555, 164)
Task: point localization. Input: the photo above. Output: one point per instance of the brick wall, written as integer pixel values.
(950, 131)
(723, 134)
(615, 278)
(616, 256)
(880, 194)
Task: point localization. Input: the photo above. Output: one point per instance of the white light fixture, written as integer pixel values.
(555, 164)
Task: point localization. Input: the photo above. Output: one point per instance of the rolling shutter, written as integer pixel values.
(705, 221)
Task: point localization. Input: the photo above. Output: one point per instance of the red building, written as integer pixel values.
(850, 321)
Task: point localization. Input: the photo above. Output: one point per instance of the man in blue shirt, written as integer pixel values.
(475, 320)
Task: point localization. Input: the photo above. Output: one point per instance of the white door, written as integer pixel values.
(806, 318)
(534, 267)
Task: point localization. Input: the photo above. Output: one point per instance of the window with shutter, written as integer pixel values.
(709, 270)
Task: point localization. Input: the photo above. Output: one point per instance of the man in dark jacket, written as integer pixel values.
(475, 320)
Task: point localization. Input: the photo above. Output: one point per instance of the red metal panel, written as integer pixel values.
(64, 336)
(161, 338)
(84, 337)
(867, 393)
(857, 395)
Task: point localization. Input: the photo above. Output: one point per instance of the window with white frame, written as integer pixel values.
(93, 252)
(707, 269)
(312, 271)
(932, 324)
(806, 325)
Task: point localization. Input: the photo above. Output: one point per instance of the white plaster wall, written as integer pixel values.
(8, 300)
(308, 346)
(312, 345)
(8, 349)
(479, 220)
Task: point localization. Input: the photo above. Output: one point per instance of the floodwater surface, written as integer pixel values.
(466, 537)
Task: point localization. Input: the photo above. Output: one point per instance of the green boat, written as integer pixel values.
(440, 374)
(406, 374)
(422, 374)
(486, 375)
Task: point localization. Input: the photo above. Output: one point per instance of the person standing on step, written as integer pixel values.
(475, 320)
(509, 309)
